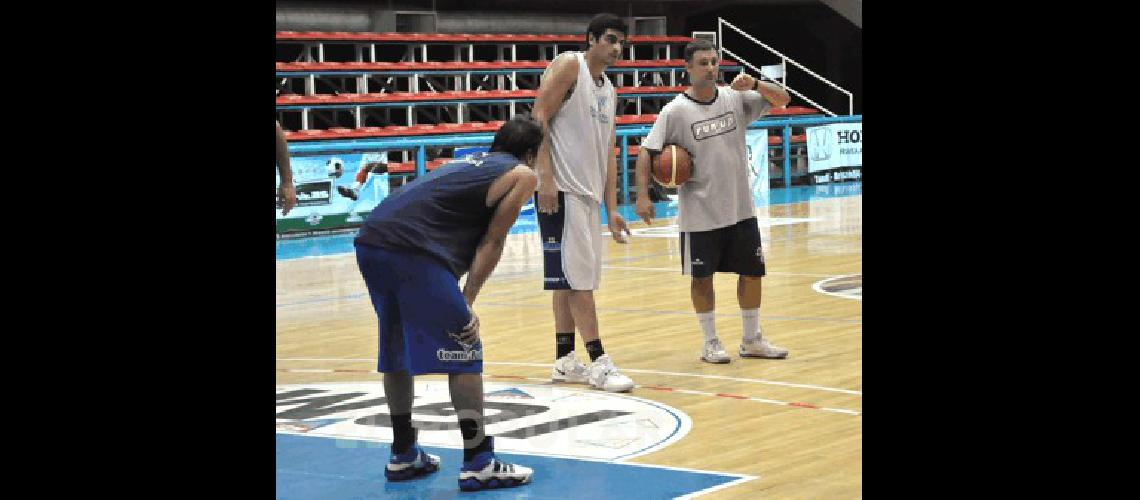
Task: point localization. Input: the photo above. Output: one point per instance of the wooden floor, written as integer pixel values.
(810, 448)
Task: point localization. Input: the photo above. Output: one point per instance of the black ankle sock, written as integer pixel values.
(469, 427)
(403, 434)
(594, 347)
(564, 343)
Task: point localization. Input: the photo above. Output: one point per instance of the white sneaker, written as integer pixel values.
(414, 462)
(569, 370)
(714, 352)
(604, 375)
(760, 348)
(485, 471)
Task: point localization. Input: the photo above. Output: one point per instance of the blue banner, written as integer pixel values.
(757, 141)
(327, 184)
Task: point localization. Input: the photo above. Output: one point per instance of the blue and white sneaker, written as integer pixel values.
(411, 464)
(485, 471)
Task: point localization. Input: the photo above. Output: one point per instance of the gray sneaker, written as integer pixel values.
(713, 352)
(761, 348)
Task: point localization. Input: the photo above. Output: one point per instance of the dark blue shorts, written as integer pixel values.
(417, 302)
(730, 249)
(551, 227)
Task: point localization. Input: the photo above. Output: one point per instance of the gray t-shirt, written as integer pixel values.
(717, 195)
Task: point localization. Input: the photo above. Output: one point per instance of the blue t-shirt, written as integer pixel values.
(442, 214)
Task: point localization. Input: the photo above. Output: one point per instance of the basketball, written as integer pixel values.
(673, 166)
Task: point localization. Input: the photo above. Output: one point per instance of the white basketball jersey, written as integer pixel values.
(580, 134)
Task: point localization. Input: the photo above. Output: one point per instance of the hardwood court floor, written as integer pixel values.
(794, 423)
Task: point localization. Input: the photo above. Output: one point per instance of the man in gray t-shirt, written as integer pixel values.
(719, 231)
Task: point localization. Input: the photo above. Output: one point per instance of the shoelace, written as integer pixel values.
(716, 345)
(612, 370)
(501, 466)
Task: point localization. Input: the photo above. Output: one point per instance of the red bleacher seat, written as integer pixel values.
(651, 90)
(406, 167)
(776, 140)
(409, 167)
(463, 65)
(450, 95)
(341, 36)
(659, 39)
(635, 119)
(633, 149)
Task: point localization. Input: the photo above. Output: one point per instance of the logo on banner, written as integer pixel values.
(849, 136)
(820, 144)
(534, 419)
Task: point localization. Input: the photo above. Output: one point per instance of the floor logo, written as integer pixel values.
(847, 287)
(545, 420)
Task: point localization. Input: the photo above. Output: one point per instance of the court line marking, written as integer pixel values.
(676, 312)
(624, 369)
(793, 404)
(356, 296)
(678, 271)
(740, 477)
(700, 375)
(729, 484)
(536, 267)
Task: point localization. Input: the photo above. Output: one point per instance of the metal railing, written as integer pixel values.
(623, 134)
(784, 60)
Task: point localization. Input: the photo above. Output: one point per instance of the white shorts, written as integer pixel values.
(572, 244)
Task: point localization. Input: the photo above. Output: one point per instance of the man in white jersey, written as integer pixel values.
(719, 231)
(577, 171)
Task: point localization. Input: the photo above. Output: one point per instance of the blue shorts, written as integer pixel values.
(417, 302)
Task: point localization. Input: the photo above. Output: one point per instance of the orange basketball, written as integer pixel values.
(673, 166)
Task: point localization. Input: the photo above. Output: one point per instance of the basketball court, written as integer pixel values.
(752, 428)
